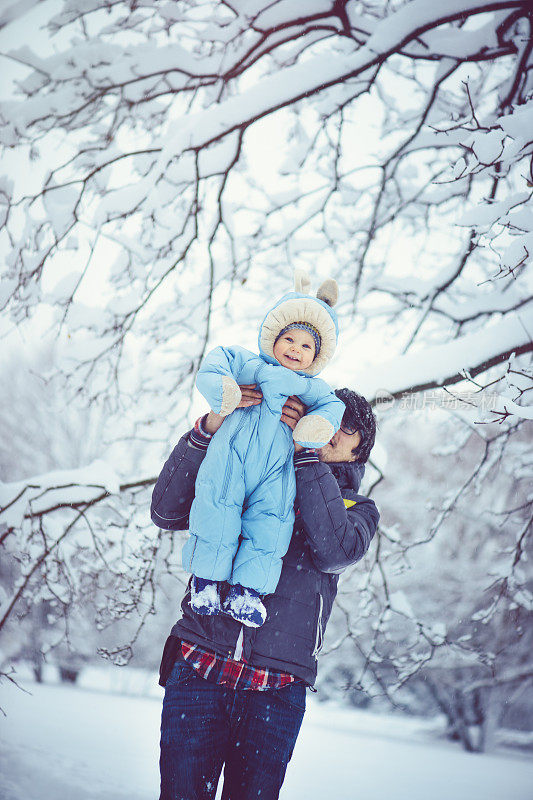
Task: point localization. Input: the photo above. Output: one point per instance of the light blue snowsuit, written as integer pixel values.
(242, 516)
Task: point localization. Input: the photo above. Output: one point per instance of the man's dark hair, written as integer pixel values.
(359, 414)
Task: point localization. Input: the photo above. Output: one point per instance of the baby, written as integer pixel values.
(242, 517)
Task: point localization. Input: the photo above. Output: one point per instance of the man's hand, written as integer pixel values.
(250, 397)
(291, 413)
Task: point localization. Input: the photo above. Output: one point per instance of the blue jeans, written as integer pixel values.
(205, 725)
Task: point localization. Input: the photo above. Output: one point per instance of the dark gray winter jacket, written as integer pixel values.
(333, 529)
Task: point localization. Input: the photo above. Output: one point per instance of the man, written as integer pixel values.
(235, 695)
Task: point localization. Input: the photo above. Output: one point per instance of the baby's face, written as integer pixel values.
(295, 349)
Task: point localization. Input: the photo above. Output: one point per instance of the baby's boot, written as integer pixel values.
(205, 599)
(245, 606)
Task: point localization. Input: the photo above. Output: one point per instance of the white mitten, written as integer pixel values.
(313, 431)
(231, 396)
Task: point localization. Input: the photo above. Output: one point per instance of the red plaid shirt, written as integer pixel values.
(234, 674)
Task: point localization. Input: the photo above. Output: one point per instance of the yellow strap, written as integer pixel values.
(349, 503)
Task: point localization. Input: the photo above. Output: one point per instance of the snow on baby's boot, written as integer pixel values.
(205, 599)
(245, 606)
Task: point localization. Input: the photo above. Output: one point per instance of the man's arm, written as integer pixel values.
(174, 491)
(338, 529)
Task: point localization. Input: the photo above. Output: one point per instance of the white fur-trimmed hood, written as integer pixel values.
(297, 307)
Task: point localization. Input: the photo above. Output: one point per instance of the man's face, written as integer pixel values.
(340, 447)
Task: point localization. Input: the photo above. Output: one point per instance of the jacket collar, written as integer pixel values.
(348, 474)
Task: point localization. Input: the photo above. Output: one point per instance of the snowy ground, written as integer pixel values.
(82, 743)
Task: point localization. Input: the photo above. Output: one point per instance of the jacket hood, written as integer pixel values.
(297, 307)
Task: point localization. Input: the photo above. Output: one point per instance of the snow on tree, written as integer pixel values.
(400, 162)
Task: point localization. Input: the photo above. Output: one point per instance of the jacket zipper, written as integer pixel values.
(238, 646)
(318, 638)
(192, 554)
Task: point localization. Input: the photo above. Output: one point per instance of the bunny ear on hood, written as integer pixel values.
(300, 306)
(302, 283)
